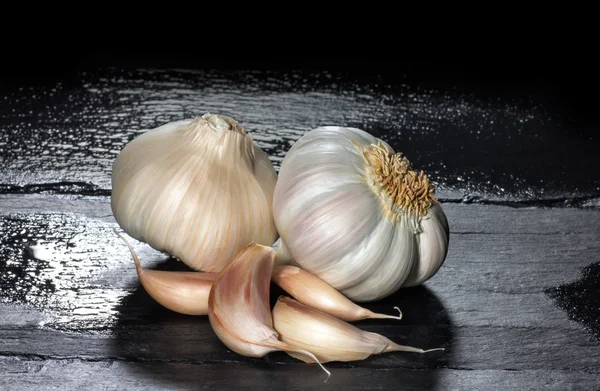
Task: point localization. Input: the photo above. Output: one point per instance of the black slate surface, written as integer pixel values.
(515, 172)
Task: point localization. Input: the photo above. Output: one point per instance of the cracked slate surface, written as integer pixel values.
(514, 179)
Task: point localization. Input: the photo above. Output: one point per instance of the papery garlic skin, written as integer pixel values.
(344, 214)
(239, 309)
(433, 246)
(198, 189)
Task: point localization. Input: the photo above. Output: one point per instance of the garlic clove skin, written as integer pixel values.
(197, 189)
(354, 213)
(327, 337)
(239, 306)
(433, 246)
(316, 293)
(183, 292)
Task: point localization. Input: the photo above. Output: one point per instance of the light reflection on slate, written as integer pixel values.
(72, 133)
(64, 140)
(50, 261)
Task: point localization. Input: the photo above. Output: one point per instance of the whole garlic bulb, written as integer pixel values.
(198, 189)
(351, 211)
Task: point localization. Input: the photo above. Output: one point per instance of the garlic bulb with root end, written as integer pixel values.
(239, 308)
(354, 213)
(327, 337)
(183, 292)
(197, 189)
(316, 293)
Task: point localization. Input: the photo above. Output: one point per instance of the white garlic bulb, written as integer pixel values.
(198, 189)
(351, 211)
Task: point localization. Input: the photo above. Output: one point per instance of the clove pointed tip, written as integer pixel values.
(316, 360)
(375, 315)
(399, 313)
(136, 260)
(292, 349)
(433, 350)
(394, 347)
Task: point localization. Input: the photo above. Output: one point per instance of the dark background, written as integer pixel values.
(562, 78)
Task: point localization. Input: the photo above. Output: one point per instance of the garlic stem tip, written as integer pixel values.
(293, 349)
(375, 315)
(432, 350)
(399, 313)
(311, 355)
(136, 260)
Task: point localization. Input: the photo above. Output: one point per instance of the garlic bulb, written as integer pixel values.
(198, 189)
(353, 212)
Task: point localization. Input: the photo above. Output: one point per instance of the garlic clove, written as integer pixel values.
(239, 309)
(183, 292)
(433, 246)
(327, 337)
(316, 293)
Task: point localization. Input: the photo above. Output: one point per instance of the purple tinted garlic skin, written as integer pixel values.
(353, 212)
